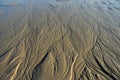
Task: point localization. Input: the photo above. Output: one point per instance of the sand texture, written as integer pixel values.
(59, 39)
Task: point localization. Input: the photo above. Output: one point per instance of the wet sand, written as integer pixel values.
(59, 39)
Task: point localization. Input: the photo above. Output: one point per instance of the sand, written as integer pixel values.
(59, 39)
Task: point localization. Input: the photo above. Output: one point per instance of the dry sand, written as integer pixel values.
(59, 39)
